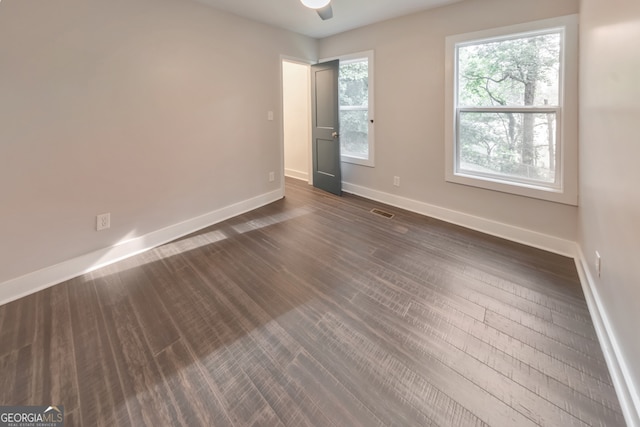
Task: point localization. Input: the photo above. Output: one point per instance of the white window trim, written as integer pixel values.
(370, 162)
(566, 190)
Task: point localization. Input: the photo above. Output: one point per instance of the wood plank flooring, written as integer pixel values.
(312, 311)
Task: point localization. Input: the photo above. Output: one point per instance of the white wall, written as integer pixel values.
(409, 102)
(609, 157)
(296, 99)
(153, 110)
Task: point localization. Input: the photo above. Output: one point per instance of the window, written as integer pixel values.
(512, 122)
(355, 95)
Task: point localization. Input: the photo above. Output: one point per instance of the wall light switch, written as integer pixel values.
(270, 115)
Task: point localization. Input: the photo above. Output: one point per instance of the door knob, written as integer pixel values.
(335, 135)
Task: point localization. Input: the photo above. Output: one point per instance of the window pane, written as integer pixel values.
(516, 145)
(354, 133)
(353, 90)
(353, 87)
(521, 71)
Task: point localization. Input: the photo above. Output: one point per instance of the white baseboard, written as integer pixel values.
(506, 231)
(626, 390)
(49, 276)
(304, 176)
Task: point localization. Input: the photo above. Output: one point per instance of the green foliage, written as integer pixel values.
(353, 85)
(518, 72)
(482, 147)
(353, 90)
(515, 72)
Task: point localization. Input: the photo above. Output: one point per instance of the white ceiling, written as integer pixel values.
(347, 14)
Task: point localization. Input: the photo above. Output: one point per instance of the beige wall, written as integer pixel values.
(296, 98)
(153, 110)
(409, 102)
(609, 164)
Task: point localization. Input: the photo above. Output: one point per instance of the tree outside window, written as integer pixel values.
(507, 106)
(353, 90)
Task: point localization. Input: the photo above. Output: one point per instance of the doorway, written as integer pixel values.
(296, 118)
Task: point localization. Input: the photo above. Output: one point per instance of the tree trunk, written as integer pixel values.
(512, 131)
(528, 120)
(551, 137)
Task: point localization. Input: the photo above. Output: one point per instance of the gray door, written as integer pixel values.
(325, 127)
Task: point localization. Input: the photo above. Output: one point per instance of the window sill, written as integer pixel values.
(357, 161)
(557, 195)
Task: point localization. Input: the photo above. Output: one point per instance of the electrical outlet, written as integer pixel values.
(103, 221)
(598, 264)
(396, 181)
(272, 176)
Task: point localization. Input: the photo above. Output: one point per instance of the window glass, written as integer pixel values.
(496, 144)
(523, 71)
(353, 89)
(495, 78)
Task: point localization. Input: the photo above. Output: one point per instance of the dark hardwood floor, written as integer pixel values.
(314, 311)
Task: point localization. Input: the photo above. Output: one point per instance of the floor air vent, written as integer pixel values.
(382, 213)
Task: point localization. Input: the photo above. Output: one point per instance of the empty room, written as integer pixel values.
(319, 212)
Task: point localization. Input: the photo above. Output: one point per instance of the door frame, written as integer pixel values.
(307, 63)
